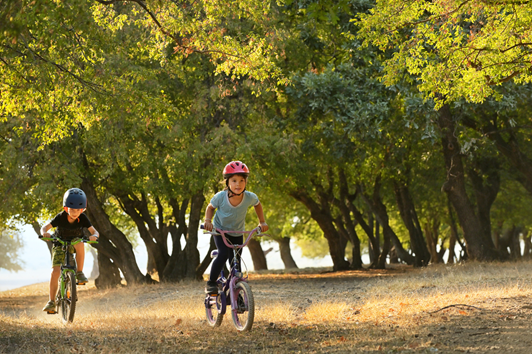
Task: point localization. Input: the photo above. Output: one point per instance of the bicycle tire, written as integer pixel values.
(244, 314)
(68, 302)
(213, 311)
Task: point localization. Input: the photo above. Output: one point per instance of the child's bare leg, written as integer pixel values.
(56, 271)
(80, 256)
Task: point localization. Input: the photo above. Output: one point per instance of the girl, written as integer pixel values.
(232, 204)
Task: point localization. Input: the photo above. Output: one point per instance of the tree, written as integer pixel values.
(10, 244)
(455, 49)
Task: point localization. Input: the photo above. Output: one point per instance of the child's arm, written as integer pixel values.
(209, 212)
(44, 230)
(94, 234)
(260, 213)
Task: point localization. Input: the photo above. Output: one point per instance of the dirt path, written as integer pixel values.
(435, 310)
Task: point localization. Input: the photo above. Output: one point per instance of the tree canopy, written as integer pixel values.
(453, 49)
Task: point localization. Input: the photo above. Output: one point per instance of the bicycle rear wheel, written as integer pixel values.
(68, 301)
(244, 314)
(214, 309)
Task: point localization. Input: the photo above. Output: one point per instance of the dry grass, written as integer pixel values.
(482, 308)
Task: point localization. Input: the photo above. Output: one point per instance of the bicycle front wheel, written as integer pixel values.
(215, 309)
(244, 313)
(68, 299)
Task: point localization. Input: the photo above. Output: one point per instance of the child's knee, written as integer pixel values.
(80, 248)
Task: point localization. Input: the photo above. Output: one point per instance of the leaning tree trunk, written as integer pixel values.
(112, 243)
(479, 245)
(373, 238)
(109, 276)
(137, 209)
(325, 221)
(409, 216)
(345, 224)
(379, 210)
(286, 253)
(257, 255)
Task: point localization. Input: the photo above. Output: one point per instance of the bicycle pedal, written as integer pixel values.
(51, 312)
(81, 283)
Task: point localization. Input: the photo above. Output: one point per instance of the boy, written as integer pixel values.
(69, 223)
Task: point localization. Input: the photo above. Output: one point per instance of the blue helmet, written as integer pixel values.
(75, 198)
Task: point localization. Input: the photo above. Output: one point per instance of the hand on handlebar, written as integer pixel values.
(46, 235)
(263, 227)
(207, 225)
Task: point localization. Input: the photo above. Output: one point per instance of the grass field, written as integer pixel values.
(473, 307)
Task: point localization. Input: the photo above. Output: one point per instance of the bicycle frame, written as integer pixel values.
(230, 284)
(66, 267)
(235, 273)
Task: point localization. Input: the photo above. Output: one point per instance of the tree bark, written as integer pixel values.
(321, 214)
(191, 249)
(408, 214)
(486, 189)
(257, 255)
(373, 239)
(137, 209)
(479, 245)
(113, 244)
(345, 223)
(379, 210)
(286, 253)
(109, 276)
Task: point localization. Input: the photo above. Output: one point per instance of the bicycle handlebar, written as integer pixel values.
(222, 233)
(83, 239)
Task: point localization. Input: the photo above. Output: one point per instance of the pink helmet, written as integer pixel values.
(235, 168)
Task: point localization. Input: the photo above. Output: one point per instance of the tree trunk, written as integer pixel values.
(479, 245)
(176, 266)
(191, 249)
(109, 273)
(373, 239)
(510, 148)
(379, 210)
(431, 242)
(326, 223)
(137, 209)
(527, 244)
(286, 253)
(207, 259)
(409, 216)
(257, 255)
(345, 223)
(113, 244)
(486, 189)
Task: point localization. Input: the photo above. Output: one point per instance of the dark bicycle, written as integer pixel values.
(66, 296)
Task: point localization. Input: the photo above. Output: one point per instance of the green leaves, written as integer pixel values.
(455, 49)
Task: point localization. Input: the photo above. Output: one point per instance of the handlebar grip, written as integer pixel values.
(202, 227)
(41, 236)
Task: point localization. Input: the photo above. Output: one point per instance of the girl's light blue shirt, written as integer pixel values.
(229, 217)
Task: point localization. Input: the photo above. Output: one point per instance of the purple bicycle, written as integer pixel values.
(233, 290)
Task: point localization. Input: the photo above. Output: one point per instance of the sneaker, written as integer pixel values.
(211, 287)
(50, 307)
(81, 278)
